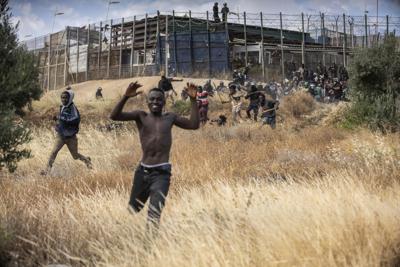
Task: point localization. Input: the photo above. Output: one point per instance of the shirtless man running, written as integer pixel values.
(152, 176)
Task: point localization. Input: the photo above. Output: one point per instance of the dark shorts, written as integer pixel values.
(150, 183)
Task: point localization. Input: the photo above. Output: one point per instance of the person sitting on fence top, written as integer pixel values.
(215, 13)
(225, 12)
(99, 95)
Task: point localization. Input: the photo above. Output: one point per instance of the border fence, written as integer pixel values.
(196, 44)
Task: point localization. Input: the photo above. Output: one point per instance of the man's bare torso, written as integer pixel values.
(155, 137)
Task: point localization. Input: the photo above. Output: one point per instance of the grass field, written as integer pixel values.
(306, 194)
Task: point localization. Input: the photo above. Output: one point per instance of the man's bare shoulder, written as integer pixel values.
(170, 115)
(139, 114)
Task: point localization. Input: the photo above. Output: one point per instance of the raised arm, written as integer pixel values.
(117, 114)
(193, 122)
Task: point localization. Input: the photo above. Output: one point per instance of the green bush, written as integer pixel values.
(181, 107)
(13, 134)
(19, 85)
(375, 87)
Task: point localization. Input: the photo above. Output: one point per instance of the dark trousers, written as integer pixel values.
(254, 108)
(271, 120)
(72, 144)
(150, 183)
(203, 112)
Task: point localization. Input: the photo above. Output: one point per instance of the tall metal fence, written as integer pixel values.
(273, 44)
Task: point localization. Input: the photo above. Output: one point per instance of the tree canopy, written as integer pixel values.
(19, 85)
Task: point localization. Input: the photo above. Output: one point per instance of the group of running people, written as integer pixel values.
(152, 176)
(325, 84)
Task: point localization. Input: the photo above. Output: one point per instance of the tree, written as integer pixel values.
(375, 86)
(19, 85)
(13, 134)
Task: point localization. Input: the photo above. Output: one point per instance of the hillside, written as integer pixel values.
(308, 193)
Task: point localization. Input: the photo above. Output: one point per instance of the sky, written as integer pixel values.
(36, 17)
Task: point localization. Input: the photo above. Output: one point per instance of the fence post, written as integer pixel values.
(323, 39)
(351, 22)
(245, 39)
(87, 54)
(133, 43)
(120, 48)
(337, 30)
(303, 41)
(366, 30)
(175, 43)
(158, 42)
(145, 43)
(387, 25)
(77, 54)
(166, 47)
(99, 51)
(208, 46)
(262, 47)
(344, 41)
(227, 42)
(282, 56)
(109, 51)
(66, 52)
(49, 62)
(56, 65)
(191, 41)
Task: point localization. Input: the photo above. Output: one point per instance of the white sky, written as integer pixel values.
(36, 16)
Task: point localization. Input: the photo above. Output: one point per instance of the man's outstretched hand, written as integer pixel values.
(131, 91)
(191, 90)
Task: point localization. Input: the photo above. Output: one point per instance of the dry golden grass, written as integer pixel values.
(299, 104)
(240, 196)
